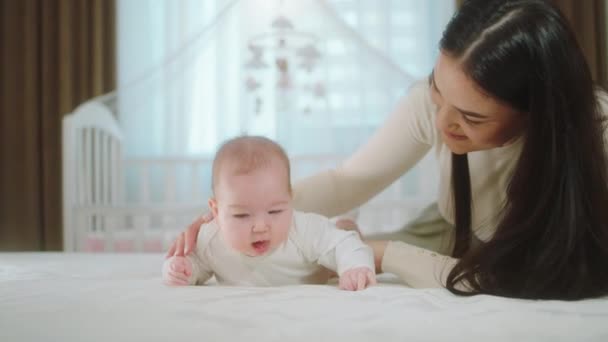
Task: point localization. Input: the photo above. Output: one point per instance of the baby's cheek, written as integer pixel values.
(236, 238)
(283, 228)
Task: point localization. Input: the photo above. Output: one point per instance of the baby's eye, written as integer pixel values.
(273, 212)
(240, 216)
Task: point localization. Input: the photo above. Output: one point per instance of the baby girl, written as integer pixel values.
(257, 239)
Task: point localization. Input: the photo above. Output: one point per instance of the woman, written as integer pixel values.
(513, 117)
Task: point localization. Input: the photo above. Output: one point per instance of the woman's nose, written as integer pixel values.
(446, 118)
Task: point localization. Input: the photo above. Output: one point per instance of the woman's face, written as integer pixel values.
(468, 119)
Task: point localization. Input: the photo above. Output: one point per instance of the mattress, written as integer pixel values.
(120, 297)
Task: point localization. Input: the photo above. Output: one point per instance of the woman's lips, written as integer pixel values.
(455, 136)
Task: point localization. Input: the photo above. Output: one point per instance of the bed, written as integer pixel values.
(119, 297)
(120, 212)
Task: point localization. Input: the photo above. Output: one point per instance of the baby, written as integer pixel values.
(257, 239)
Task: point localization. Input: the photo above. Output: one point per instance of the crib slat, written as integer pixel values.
(141, 222)
(107, 165)
(113, 173)
(114, 222)
(82, 230)
(109, 236)
(119, 182)
(195, 189)
(97, 166)
(170, 182)
(87, 166)
(144, 183)
(80, 161)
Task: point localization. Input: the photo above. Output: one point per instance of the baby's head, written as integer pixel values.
(252, 194)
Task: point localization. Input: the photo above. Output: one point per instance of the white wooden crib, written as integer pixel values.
(116, 204)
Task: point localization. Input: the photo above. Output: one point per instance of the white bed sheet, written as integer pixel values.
(113, 297)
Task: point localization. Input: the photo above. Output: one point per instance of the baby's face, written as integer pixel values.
(254, 210)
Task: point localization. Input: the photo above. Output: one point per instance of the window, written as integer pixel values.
(183, 81)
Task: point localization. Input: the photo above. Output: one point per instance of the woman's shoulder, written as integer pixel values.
(419, 93)
(415, 112)
(420, 86)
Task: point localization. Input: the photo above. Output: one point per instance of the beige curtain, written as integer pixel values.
(54, 54)
(588, 19)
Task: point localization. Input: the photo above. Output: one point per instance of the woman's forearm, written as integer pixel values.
(404, 138)
(417, 267)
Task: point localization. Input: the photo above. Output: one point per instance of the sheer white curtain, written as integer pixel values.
(181, 70)
(169, 62)
(182, 75)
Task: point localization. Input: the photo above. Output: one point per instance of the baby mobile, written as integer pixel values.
(293, 69)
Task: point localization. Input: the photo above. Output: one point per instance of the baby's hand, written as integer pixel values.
(357, 279)
(177, 271)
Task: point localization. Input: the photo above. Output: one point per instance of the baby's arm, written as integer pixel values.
(177, 271)
(338, 250)
(355, 258)
(190, 270)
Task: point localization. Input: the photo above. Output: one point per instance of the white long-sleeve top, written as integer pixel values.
(313, 243)
(405, 137)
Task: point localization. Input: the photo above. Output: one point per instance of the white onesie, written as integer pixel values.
(313, 243)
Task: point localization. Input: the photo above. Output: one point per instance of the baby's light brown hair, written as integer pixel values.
(245, 154)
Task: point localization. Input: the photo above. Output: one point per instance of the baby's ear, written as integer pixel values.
(213, 206)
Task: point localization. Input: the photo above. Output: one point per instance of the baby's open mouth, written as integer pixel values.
(261, 246)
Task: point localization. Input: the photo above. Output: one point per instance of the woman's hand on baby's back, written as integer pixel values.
(185, 242)
(357, 278)
(348, 224)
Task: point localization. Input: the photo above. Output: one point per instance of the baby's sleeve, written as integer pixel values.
(339, 250)
(201, 272)
(201, 267)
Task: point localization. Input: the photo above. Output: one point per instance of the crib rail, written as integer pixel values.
(153, 209)
(131, 228)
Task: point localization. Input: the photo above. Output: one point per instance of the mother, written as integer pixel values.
(516, 123)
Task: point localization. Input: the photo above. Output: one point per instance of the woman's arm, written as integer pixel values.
(186, 240)
(417, 267)
(405, 137)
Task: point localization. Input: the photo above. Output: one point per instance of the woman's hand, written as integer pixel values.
(348, 224)
(185, 242)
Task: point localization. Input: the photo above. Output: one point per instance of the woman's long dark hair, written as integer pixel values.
(552, 239)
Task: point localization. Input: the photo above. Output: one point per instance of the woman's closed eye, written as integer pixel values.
(276, 211)
(240, 216)
(469, 121)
